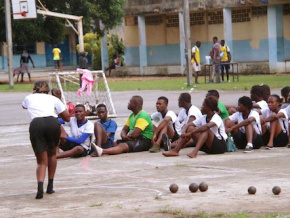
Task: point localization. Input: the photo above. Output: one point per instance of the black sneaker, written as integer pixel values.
(248, 149)
(166, 142)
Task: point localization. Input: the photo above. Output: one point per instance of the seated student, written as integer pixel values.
(82, 130)
(285, 93)
(208, 132)
(136, 134)
(276, 132)
(245, 126)
(168, 126)
(105, 128)
(187, 114)
(222, 109)
(257, 97)
(266, 92)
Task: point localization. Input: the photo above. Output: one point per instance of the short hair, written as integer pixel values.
(138, 99)
(41, 87)
(215, 38)
(185, 97)
(212, 103)
(163, 98)
(81, 105)
(285, 92)
(102, 105)
(257, 90)
(278, 99)
(214, 93)
(197, 42)
(223, 41)
(246, 101)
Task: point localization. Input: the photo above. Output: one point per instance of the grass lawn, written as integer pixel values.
(176, 83)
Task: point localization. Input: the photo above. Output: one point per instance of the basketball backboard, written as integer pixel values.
(24, 9)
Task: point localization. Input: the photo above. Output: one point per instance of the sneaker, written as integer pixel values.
(155, 148)
(269, 147)
(229, 81)
(97, 149)
(248, 149)
(166, 142)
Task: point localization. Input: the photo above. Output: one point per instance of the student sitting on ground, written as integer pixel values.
(187, 114)
(105, 129)
(275, 120)
(168, 127)
(257, 98)
(136, 134)
(266, 92)
(222, 109)
(245, 126)
(82, 130)
(285, 93)
(208, 132)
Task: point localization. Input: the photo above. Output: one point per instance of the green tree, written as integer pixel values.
(52, 30)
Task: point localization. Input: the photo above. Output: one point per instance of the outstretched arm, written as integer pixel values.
(241, 124)
(202, 128)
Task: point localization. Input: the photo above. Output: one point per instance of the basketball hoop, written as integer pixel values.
(23, 14)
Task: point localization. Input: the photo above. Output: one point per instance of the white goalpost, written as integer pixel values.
(69, 84)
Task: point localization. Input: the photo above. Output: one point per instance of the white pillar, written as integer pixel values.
(142, 43)
(104, 49)
(228, 30)
(182, 42)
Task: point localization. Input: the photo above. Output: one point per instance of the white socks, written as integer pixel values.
(98, 150)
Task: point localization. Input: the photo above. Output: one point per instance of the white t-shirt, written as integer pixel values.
(157, 117)
(263, 104)
(288, 111)
(238, 118)
(283, 121)
(218, 130)
(43, 105)
(78, 131)
(193, 111)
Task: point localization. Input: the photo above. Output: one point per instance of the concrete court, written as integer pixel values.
(136, 185)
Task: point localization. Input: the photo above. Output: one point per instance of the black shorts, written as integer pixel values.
(175, 137)
(56, 62)
(108, 144)
(224, 66)
(241, 141)
(280, 141)
(138, 145)
(70, 145)
(218, 147)
(44, 134)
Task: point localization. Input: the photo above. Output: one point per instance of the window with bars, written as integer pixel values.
(172, 20)
(29, 47)
(259, 11)
(286, 9)
(131, 21)
(215, 17)
(154, 20)
(241, 15)
(197, 18)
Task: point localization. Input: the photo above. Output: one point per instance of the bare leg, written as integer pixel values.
(196, 76)
(275, 129)
(249, 133)
(22, 74)
(70, 153)
(228, 124)
(29, 76)
(119, 149)
(100, 134)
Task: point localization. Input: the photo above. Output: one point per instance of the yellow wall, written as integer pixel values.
(286, 27)
(131, 36)
(40, 48)
(172, 35)
(199, 33)
(155, 34)
(215, 30)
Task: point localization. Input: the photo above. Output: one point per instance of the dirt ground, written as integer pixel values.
(136, 185)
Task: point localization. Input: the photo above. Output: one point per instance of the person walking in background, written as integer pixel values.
(57, 57)
(195, 60)
(24, 63)
(216, 59)
(225, 59)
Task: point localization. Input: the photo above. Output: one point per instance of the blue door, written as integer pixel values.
(64, 47)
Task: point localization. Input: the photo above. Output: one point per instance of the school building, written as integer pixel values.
(256, 31)
(41, 52)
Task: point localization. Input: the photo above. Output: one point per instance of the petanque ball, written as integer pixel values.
(203, 187)
(173, 188)
(276, 190)
(252, 190)
(193, 187)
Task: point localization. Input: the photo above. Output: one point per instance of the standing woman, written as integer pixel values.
(44, 131)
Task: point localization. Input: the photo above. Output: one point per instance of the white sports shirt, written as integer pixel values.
(157, 117)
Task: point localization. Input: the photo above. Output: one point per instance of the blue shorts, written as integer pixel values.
(108, 144)
(225, 66)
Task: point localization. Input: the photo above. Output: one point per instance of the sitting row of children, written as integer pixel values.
(251, 125)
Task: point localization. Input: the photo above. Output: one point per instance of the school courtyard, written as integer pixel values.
(136, 184)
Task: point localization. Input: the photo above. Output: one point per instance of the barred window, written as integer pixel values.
(154, 20)
(172, 20)
(241, 15)
(29, 47)
(215, 17)
(259, 11)
(131, 21)
(197, 18)
(286, 9)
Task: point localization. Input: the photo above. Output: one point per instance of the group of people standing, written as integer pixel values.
(259, 120)
(221, 57)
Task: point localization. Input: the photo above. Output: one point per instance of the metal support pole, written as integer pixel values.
(9, 42)
(187, 42)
